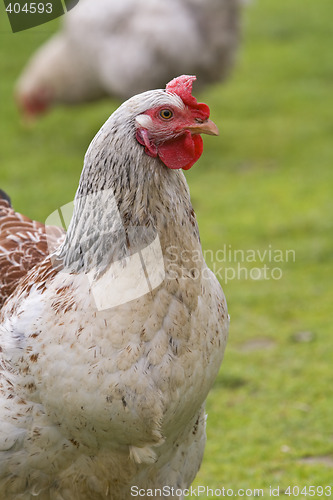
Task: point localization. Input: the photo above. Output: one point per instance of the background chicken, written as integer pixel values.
(94, 398)
(122, 47)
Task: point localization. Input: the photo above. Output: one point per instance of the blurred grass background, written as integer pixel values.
(265, 183)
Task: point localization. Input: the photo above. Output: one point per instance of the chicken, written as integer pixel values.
(122, 47)
(23, 244)
(111, 344)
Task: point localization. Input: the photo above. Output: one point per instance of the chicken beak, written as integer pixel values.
(207, 127)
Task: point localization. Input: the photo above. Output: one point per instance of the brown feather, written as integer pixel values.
(23, 244)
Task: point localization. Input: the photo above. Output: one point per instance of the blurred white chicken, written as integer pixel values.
(100, 394)
(123, 47)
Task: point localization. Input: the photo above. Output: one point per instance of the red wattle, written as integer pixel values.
(182, 152)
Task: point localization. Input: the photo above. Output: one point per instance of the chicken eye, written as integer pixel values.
(166, 114)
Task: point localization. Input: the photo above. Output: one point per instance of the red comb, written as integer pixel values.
(182, 86)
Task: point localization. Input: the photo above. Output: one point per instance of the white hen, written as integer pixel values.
(122, 47)
(103, 382)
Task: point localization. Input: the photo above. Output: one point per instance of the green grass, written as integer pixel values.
(266, 182)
